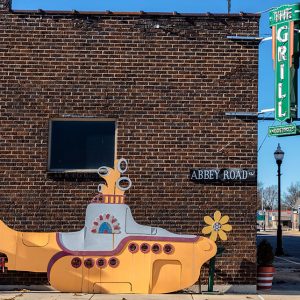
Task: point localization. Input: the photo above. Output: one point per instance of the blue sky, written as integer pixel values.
(266, 163)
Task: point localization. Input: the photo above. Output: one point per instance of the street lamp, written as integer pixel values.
(279, 154)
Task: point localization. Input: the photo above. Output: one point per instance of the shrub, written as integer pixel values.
(265, 255)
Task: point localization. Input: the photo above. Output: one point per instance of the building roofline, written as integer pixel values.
(140, 13)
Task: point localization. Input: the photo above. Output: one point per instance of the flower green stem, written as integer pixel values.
(212, 267)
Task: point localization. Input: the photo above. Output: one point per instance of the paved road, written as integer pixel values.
(290, 242)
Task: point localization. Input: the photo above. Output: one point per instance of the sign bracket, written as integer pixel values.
(252, 115)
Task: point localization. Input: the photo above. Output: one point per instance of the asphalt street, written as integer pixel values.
(290, 242)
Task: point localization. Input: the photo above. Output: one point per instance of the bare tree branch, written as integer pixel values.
(292, 195)
(260, 188)
(270, 197)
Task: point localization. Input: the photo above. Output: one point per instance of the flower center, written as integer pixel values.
(217, 226)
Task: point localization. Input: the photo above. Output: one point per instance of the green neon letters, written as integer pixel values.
(284, 23)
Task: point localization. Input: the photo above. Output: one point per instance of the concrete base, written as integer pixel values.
(27, 288)
(225, 289)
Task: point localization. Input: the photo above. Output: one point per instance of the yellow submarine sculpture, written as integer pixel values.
(112, 253)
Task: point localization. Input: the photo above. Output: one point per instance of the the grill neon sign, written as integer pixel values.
(285, 53)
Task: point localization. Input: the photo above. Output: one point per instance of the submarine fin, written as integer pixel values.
(8, 244)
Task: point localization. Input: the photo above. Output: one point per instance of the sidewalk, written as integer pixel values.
(72, 296)
(274, 232)
(287, 276)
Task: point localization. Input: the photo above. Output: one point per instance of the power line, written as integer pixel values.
(264, 139)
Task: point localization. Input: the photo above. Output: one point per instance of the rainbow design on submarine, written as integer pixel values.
(112, 253)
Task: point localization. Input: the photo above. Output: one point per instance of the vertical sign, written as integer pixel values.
(285, 53)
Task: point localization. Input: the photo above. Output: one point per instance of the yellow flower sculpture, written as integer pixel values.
(217, 226)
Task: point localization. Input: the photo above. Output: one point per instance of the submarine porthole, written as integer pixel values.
(103, 171)
(122, 165)
(145, 248)
(156, 248)
(133, 247)
(168, 249)
(113, 262)
(89, 263)
(76, 262)
(124, 183)
(101, 262)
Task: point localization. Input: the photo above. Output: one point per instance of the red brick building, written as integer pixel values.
(165, 81)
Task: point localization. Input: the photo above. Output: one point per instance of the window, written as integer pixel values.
(81, 145)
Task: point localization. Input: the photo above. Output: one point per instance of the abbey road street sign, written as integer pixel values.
(284, 130)
(284, 21)
(223, 175)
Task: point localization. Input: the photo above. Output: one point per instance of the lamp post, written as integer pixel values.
(279, 154)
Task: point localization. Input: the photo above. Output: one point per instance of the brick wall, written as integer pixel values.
(168, 87)
(4, 5)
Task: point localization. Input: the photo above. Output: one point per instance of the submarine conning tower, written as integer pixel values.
(112, 191)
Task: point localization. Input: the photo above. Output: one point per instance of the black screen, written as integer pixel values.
(82, 144)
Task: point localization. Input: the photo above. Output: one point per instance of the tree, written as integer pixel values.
(259, 195)
(292, 195)
(270, 197)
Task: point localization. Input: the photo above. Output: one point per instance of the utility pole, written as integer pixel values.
(228, 6)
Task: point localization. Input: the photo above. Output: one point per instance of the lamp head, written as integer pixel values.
(278, 154)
